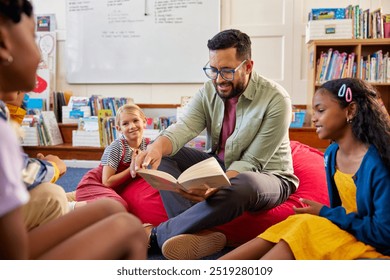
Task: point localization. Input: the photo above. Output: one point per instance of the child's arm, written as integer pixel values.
(110, 179)
(37, 171)
(56, 161)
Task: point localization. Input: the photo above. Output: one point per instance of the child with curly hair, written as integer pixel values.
(357, 223)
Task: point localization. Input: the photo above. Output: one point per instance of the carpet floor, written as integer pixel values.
(71, 178)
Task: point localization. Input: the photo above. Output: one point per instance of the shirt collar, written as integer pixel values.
(3, 111)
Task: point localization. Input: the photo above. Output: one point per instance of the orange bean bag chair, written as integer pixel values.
(309, 168)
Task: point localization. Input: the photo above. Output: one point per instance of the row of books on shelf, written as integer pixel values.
(93, 131)
(366, 23)
(100, 131)
(69, 108)
(41, 130)
(97, 103)
(335, 64)
(95, 117)
(375, 67)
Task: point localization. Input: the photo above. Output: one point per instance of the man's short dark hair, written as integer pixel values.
(232, 38)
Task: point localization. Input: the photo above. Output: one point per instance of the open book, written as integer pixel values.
(205, 174)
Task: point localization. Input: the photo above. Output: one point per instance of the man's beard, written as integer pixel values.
(236, 90)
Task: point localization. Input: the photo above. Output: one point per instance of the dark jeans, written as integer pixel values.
(249, 191)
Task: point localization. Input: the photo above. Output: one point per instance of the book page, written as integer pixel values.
(158, 179)
(205, 172)
(207, 181)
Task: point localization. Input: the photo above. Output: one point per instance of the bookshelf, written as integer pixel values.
(305, 135)
(362, 48)
(69, 152)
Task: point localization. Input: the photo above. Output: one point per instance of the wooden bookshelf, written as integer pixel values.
(308, 136)
(361, 48)
(305, 135)
(66, 151)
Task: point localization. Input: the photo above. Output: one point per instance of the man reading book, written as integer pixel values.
(246, 117)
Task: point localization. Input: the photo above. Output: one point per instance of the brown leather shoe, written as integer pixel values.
(193, 246)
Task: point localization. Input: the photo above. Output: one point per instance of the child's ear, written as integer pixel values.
(352, 110)
(4, 51)
(118, 128)
(4, 42)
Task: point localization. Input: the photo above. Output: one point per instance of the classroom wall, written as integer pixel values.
(276, 28)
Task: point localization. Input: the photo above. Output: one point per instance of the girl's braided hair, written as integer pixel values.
(13, 9)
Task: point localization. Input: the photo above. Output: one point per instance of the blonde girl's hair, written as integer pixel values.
(129, 109)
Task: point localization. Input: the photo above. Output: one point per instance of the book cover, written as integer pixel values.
(388, 69)
(339, 65)
(35, 103)
(351, 60)
(329, 57)
(88, 124)
(323, 69)
(331, 66)
(30, 137)
(386, 31)
(85, 138)
(43, 141)
(203, 175)
(102, 115)
(53, 132)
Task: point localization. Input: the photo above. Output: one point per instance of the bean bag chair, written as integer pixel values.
(144, 202)
(309, 168)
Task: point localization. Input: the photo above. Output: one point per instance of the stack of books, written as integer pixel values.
(87, 133)
(41, 130)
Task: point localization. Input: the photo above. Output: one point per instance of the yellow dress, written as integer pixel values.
(312, 237)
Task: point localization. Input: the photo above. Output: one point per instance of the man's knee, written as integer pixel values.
(244, 184)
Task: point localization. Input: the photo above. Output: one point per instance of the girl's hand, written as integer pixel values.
(132, 164)
(313, 207)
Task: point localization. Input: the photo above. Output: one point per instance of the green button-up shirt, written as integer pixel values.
(260, 141)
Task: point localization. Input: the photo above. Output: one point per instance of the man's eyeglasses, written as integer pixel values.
(226, 74)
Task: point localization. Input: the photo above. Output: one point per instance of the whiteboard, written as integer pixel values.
(139, 41)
